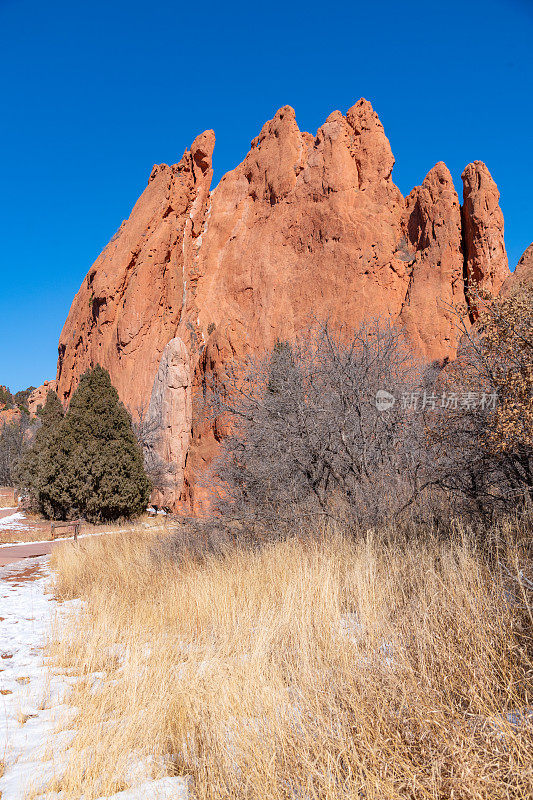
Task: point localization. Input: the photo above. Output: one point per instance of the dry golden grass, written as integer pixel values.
(7, 497)
(328, 669)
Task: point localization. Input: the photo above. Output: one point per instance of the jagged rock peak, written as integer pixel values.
(200, 155)
(372, 148)
(130, 302)
(523, 273)
(483, 230)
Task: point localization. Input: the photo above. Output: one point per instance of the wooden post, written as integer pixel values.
(74, 524)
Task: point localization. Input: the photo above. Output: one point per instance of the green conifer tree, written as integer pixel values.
(87, 463)
(40, 465)
(104, 467)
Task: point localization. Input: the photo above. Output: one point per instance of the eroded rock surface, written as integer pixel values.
(432, 225)
(306, 227)
(129, 305)
(485, 255)
(523, 273)
(170, 413)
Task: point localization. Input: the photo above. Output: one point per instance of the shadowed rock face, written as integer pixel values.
(306, 226)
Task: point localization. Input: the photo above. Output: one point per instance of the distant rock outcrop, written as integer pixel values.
(37, 398)
(306, 226)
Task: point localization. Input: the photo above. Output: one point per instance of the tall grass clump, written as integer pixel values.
(381, 667)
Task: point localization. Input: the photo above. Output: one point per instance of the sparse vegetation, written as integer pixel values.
(333, 631)
(148, 432)
(387, 667)
(18, 400)
(21, 399)
(483, 449)
(14, 438)
(6, 398)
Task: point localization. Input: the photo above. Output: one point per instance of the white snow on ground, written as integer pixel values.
(32, 698)
(14, 522)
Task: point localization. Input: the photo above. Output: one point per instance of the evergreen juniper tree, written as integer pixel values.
(104, 468)
(87, 463)
(39, 468)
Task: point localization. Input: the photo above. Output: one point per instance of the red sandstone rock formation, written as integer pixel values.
(8, 416)
(130, 303)
(485, 256)
(306, 226)
(170, 410)
(37, 398)
(433, 246)
(523, 273)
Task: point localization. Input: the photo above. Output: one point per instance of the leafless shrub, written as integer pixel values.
(195, 539)
(14, 437)
(310, 432)
(482, 446)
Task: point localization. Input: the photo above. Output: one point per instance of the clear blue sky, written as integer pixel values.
(93, 94)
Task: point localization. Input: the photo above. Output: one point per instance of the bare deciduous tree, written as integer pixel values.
(317, 427)
(13, 440)
(483, 445)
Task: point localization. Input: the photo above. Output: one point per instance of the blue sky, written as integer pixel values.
(93, 94)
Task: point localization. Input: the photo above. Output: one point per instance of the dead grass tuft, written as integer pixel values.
(330, 669)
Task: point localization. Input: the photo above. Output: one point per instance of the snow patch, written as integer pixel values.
(13, 522)
(33, 699)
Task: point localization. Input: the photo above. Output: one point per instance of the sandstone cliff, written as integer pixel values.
(130, 303)
(305, 226)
